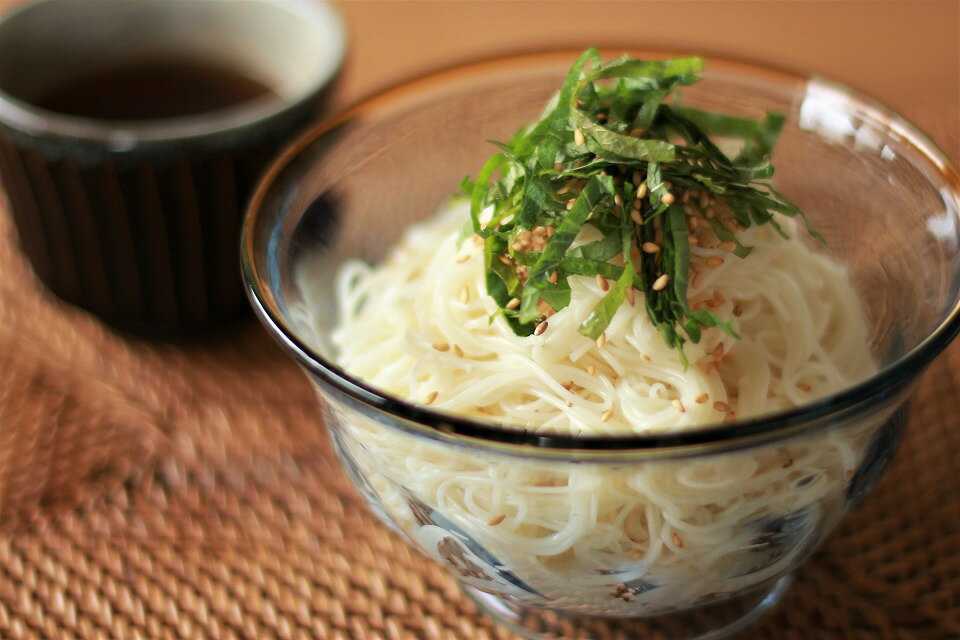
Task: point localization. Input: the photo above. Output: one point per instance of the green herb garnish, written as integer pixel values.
(612, 154)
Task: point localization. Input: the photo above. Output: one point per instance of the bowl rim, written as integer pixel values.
(439, 425)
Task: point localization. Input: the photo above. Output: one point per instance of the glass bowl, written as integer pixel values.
(656, 561)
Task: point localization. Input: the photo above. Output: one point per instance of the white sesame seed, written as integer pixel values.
(441, 346)
(679, 406)
(431, 397)
(457, 351)
(513, 304)
(464, 295)
(607, 415)
(578, 137)
(591, 369)
(463, 258)
(601, 340)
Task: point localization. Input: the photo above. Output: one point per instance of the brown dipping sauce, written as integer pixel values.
(152, 89)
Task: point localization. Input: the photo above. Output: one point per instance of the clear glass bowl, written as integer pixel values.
(659, 564)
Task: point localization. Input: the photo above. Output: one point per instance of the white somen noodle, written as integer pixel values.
(418, 326)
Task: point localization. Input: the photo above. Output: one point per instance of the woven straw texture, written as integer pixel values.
(189, 491)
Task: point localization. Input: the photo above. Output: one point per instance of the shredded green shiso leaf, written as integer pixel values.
(611, 153)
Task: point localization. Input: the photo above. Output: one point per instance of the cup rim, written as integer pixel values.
(433, 424)
(123, 135)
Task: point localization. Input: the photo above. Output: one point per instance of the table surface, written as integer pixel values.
(220, 510)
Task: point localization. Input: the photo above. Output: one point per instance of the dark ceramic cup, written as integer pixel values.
(136, 219)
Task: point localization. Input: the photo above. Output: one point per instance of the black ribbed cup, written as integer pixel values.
(138, 221)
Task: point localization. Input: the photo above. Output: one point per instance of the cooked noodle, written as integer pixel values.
(417, 326)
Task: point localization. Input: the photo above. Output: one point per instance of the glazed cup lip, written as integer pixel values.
(126, 135)
(433, 424)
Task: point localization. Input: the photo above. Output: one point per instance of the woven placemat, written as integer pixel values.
(189, 491)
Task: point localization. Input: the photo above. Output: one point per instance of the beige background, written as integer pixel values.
(906, 54)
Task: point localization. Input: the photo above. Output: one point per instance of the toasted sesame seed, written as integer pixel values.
(601, 340)
(601, 116)
(463, 258)
(668, 198)
(495, 520)
(570, 204)
(714, 262)
(591, 369)
(693, 240)
(606, 415)
(737, 311)
(787, 464)
(710, 367)
(650, 247)
(569, 404)
(713, 304)
(635, 216)
(645, 357)
(722, 407)
(679, 406)
(540, 328)
(729, 416)
(553, 278)
(602, 283)
(567, 385)
(431, 397)
(618, 199)
(677, 540)
(692, 224)
(513, 304)
(697, 279)
(578, 136)
(457, 351)
(661, 283)
(441, 346)
(464, 295)
(630, 295)
(557, 166)
(642, 190)
(506, 260)
(803, 386)
(703, 397)
(727, 246)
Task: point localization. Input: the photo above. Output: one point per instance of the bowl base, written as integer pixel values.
(709, 622)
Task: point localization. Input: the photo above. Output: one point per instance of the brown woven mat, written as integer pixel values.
(158, 491)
